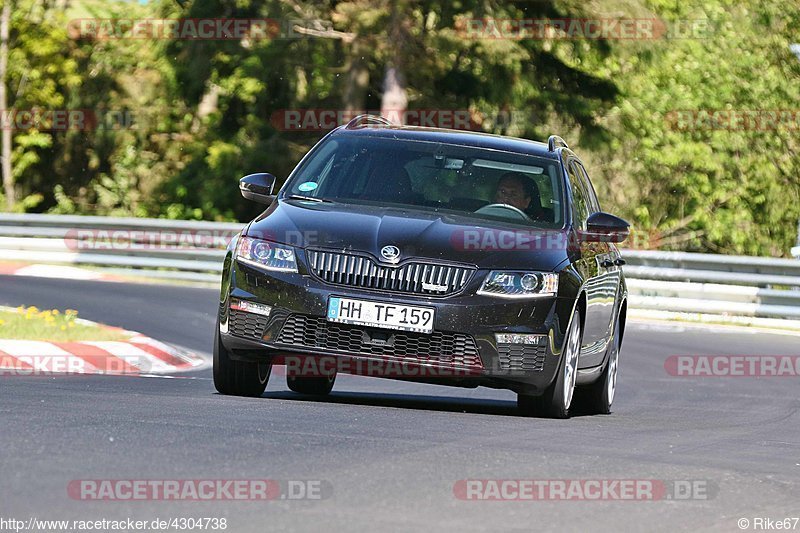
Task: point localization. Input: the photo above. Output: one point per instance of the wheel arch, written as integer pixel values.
(623, 316)
(581, 306)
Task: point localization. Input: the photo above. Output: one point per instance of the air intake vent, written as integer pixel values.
(440, 348)
(528, 357)
(247, 325)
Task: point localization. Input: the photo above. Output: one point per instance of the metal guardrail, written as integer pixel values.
(183, 250)
(193, 251)
(713, 284)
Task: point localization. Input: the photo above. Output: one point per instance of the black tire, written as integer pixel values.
(315, 386)
(557, 399)
(529, 405)
(238, 378)
(599, 396)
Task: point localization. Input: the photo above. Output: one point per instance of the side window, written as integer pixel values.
(318, 168)
(593, 202)
(580, 197)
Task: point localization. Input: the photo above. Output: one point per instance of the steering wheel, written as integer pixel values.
(492, 209)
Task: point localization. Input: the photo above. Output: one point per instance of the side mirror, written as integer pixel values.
(258, 187)
(605, 227)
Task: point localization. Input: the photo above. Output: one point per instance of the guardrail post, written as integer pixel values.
(796, 249)
(798, 233)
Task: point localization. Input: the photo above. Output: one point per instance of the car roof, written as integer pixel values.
(458, 137)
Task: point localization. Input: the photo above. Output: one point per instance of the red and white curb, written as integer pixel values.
(139, 355)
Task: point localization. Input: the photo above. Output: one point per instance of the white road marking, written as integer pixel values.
(58, 271)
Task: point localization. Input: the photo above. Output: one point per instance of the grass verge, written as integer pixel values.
(30, 323)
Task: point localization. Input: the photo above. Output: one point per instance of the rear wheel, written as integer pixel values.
(238, 378)
(557, 399)
(316, 386)
(600, 395)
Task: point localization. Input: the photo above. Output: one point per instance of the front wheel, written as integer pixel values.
(238, 378)
(557, 399)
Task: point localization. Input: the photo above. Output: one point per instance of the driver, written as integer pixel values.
(517, 190)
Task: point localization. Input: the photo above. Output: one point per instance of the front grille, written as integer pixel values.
(443, 348)
(414, 277)
(247, 325)
(528, 357)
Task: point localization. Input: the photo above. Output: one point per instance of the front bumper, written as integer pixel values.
(462, 350)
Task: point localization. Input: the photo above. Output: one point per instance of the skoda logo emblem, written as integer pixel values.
(391, 253)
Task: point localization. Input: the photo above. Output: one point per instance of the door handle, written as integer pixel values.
(619, 262)
(606, 263)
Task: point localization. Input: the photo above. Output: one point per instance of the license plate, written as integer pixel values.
(380, 314)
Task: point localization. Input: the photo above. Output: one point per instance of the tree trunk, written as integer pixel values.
(357, 82)
(394, 101)
(6, 130)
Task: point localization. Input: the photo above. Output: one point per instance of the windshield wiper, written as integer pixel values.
(306, 198)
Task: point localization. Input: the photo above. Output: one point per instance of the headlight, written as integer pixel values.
(266, 255)
(519, 284)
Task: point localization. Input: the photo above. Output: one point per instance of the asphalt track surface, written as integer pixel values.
(390, 453)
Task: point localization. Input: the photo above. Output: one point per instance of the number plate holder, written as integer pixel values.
(380, 314)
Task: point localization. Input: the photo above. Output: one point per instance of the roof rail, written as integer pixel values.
(363, 120)
(554, 142)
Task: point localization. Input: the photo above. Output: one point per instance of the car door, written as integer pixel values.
(605, 286)
(587, 264)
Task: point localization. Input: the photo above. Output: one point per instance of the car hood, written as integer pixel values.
(418, 234)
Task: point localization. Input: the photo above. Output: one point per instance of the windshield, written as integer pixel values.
(432, 176)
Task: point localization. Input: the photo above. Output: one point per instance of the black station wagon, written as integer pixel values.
(431, 255)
